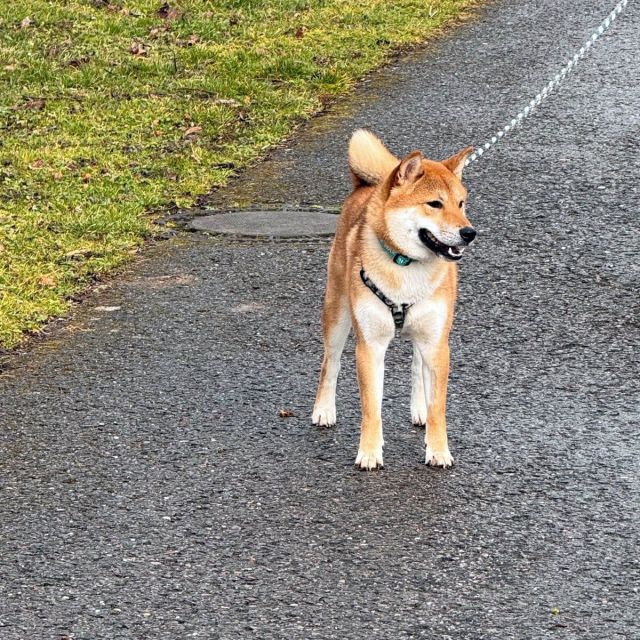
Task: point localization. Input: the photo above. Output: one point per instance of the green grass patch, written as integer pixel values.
(111, 110)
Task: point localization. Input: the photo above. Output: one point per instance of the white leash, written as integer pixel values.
(552, 84)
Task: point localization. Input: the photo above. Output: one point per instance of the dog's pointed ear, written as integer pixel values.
(455, 164)
(410, 169)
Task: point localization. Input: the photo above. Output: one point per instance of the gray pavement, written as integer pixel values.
(275, 224)
(150, 489)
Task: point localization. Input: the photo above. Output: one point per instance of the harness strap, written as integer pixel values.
(398, 311)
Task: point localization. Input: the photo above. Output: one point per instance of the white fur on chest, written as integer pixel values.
(426, 321)
(414, 284)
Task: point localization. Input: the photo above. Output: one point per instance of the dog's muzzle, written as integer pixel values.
(449, 252)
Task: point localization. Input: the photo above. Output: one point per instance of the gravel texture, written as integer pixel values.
(151, 490)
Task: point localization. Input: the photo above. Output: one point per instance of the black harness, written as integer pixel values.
(398, 311)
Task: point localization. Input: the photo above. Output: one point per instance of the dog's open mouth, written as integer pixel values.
(442, 249)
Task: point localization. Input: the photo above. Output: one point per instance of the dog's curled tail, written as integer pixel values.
(369, 160)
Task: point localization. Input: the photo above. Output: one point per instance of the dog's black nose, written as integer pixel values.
(468, 234)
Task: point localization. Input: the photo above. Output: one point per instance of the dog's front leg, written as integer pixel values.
(370, 367)
(435, 373)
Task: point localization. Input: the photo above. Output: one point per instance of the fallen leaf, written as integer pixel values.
(227, 101)
(300, 31)
(246, 99)
(78, 253)
(38, 164)
(156, 31)
(38, 104)
(47, 281)
(168, 12)
(193, 39)
(286, 413)
(26, 23)
(191, 131)
(78, 62)
(138, 49)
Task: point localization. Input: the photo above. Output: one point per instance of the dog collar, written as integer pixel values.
(398, 311)
(398, 258)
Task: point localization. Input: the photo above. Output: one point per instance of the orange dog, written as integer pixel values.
(392, 270)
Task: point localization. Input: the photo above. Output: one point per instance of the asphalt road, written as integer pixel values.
(150, 490)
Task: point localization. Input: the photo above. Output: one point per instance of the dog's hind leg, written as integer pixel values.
(418, 397)
(336, 324)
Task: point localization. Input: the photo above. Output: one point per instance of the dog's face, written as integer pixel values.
(425, 211)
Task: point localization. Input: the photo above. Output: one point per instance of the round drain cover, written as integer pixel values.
(269, 224)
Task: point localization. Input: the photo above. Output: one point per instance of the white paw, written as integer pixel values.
(418, 415)
(369, 459)
(324, 415)
(438, 458)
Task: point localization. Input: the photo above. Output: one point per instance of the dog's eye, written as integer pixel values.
(436, 204)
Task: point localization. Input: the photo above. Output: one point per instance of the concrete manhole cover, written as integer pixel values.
(269, 224)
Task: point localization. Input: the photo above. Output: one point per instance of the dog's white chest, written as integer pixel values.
(426, 320)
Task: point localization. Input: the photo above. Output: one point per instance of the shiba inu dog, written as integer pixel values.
(392, 270)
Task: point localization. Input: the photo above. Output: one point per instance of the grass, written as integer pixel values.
(113, 109)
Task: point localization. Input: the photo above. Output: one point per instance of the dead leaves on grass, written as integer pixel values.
(37, 104)
(189, 42)
(76, 63)
(169, 13)
(79, 254)
(47, 281)
(138, 49)
(156, 32)
(192, 131)
(226, 102)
